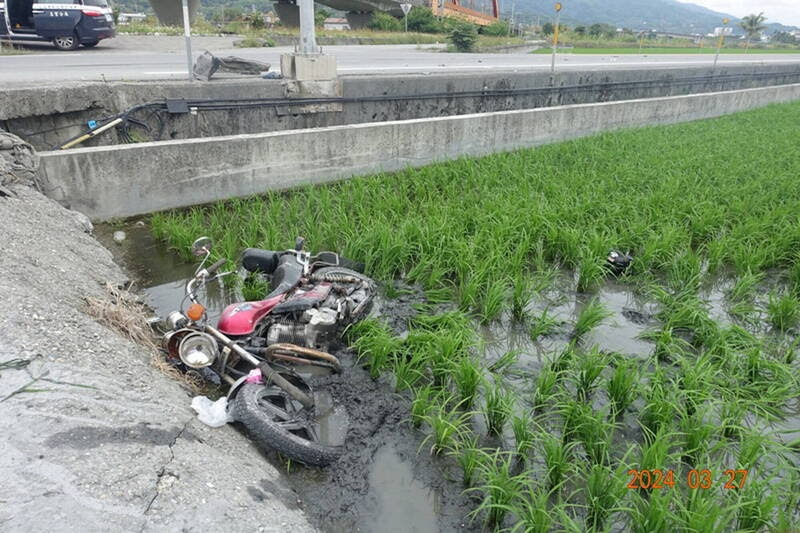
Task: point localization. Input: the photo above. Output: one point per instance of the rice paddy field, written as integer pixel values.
(683, 417)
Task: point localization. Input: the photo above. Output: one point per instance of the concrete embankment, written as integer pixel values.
(108, 182)
(49, 115)
(93, 437)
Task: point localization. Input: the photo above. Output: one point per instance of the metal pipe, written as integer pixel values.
(269, 373)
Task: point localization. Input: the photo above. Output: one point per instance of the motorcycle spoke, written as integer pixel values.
(275, 410)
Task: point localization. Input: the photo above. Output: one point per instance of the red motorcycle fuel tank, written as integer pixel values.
(241, 318)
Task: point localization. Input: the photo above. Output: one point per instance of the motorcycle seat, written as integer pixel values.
(258, 260)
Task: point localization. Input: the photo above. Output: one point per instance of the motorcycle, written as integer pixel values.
(259, 348)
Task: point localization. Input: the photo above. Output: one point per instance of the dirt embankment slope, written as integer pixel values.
(93, 437)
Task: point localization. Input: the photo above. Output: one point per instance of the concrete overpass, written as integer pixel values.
(359, 12)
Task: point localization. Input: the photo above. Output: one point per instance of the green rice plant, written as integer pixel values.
(656, 453)
(543, 325)
(532, 510)
(591, 316)
(660, 408)
(447, 426)
(545, 388)
(752, 448)
(499, 406)
(558, 460)
(467, 378)
(685, 272)
(499, 487)
(593, 431)
(409, 369)
(651, 514)
(731, 419)
(586, 370)
(424, 400)
(523, 427)
(696, 435)
(521, 294)
(756, 506)
(374, 343)
(745, 286)
(468, 456)
(493, 301)
(783, 311)
(603, 491)
(700, 512)
(504, 362)
(591, 271)
(622, 387)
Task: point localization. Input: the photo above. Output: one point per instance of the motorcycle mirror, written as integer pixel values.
(298, 243)
(201, 246)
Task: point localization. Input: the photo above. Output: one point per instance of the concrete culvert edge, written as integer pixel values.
(94, 437)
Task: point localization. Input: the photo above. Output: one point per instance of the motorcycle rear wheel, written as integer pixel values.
(277, 421)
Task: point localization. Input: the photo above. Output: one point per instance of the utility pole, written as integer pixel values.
(721, 38)
(308, 37)
(187, 33)
(555, 38)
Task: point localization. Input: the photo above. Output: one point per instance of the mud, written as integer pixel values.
(384, 480)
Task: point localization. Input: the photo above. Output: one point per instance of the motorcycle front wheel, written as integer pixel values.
(277, 421)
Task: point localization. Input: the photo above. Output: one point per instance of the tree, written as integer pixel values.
(580, 30)
(320, 15)
(464, 37)
(784, 37)
(752, 25)
(498, 28)
(384, 22)
(548, 28)
(423, 20)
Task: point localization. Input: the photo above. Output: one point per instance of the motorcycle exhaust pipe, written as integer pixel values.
(267, 371)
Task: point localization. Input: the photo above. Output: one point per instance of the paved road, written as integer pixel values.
(147, 57)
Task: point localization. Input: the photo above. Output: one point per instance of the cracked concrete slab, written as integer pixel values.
(93, 437)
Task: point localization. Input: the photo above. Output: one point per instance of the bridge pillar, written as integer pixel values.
(170, 12)
(359, 19)
(289, 13)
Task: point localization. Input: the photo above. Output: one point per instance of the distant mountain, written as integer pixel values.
(661, 15)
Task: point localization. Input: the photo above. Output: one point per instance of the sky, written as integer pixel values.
(783, 11)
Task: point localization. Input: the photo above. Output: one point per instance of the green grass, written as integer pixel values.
(665, 50)
(695, 204)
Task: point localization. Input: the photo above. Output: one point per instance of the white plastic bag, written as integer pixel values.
(214, 414)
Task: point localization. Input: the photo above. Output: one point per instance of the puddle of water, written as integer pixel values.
(159, 272)
(331, 420)
(396, 500)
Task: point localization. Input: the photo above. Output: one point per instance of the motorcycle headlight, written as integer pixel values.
(198, 350)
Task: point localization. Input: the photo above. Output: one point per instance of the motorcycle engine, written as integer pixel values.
(316, 329)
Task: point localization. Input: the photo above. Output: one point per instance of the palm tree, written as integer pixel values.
(752, 25)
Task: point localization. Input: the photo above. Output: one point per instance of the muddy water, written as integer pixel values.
(384, 482)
